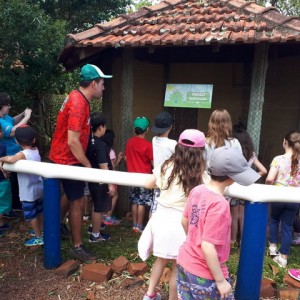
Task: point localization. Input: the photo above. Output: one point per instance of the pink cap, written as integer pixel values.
(192, 138)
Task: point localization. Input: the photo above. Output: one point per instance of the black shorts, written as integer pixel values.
(101, 200)
(74, 189)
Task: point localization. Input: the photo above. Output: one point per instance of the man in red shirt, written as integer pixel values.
(69, 145)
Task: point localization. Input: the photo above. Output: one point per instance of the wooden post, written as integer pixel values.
(126, 103)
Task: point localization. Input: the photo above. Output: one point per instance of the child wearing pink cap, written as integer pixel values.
(164, 234)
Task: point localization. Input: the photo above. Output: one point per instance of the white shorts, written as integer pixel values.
(163, 234)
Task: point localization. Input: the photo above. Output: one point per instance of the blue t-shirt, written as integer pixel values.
(7, 123)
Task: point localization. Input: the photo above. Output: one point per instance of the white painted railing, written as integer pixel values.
(253, 193)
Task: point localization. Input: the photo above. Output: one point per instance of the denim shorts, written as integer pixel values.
(31, 209)
(141, 196)
(190, 286)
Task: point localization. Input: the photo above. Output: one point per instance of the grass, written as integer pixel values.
(124, 241)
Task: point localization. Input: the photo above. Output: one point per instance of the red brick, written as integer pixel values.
(67, 268)
(267, 291)
(165, 277)
(96, 272)
(288, 293)
(137, 269)
(291, 282)
(119, 264)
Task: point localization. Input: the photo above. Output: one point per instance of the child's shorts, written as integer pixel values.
(141, 196)
(236, 202)
(156, 194)
(5, 197)
(31, 209)
(100, 197)
(190, 287)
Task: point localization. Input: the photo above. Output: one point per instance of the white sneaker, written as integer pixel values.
(273, 251)
(281, 262)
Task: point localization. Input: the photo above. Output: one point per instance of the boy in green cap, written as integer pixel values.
(139, 158)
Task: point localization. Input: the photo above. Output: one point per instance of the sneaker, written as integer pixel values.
(138, 229)
(35, 241)
(101, 238)
(157, 296)
(295, 273)
(85, 217)
(81, 253)
(4, 227)
(110, 221)
(273, 251)
(296, 240)
(64, 231)
(10, 215)
(281, 262)
(90, 228)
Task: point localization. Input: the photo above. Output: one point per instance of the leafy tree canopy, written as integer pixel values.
(29, 44)
(82, 14)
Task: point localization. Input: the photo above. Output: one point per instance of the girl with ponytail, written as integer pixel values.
(284, 171)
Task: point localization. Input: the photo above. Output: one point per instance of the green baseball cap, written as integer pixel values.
(92, 72)
(141, 122)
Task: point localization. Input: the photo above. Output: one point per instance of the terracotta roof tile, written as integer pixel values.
(191, 22)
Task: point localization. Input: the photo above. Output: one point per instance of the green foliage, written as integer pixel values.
(286, 7)
(30, 42)
(136, 5)
(82, 14)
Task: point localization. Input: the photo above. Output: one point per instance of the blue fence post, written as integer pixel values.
(52, 252)
(252, 253)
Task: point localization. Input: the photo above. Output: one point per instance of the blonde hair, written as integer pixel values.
(219, 128)
(293, 140)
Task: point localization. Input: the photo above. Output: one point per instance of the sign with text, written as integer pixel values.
(188, 95)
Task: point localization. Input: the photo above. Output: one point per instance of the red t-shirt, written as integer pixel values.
(139, 155)
(74, 115)
(209, 220)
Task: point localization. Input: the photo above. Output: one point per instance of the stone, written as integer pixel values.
(291, 282)
(267, 289)
(288, 293)
(119, 264)
(67, 268)
(165, 277)
(137, 269)
(97, 272)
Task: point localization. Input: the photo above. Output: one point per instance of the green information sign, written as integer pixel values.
(188, 95)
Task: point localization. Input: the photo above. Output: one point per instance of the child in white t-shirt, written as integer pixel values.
(30, 186)
(163, 147)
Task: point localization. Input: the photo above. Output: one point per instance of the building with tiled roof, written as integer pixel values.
(179, 23)
(249, 53)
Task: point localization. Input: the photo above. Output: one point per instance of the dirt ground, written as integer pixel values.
(22, 276)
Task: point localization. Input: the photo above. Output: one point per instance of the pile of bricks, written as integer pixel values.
(99, 272)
